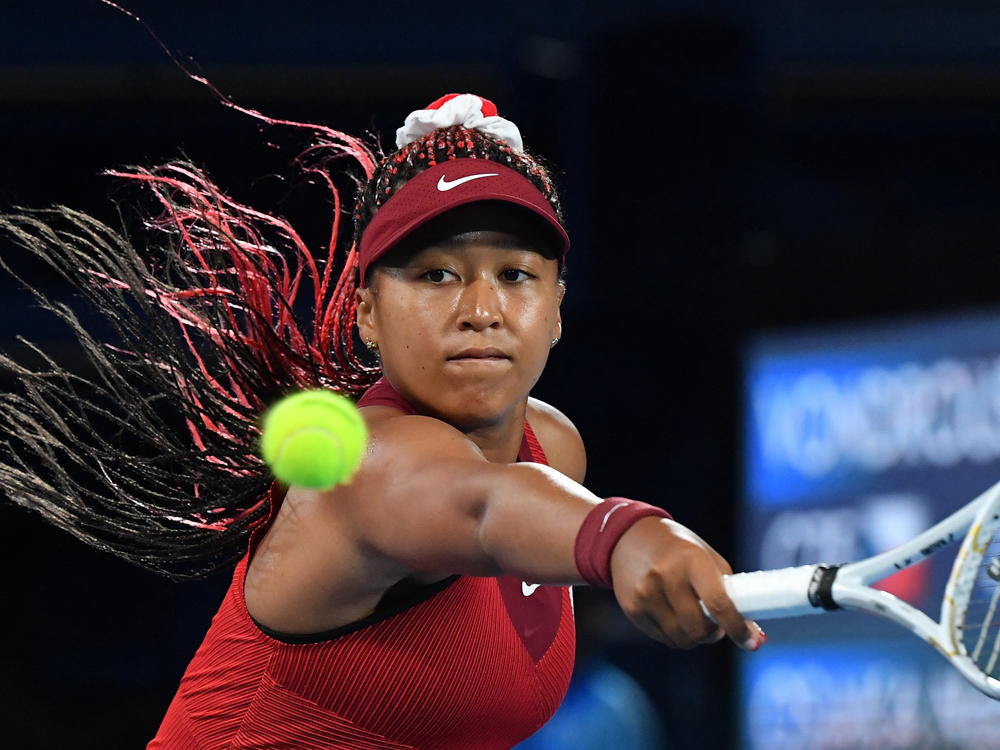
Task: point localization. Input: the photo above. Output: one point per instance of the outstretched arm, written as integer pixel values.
(426, 499)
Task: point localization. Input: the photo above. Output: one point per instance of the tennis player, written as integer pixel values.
(425, 604)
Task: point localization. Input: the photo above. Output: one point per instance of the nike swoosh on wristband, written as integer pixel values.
(529, 588)
(445, 185)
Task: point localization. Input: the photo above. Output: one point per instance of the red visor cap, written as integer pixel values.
(446, 186)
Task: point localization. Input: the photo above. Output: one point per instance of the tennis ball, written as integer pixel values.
(313, 439)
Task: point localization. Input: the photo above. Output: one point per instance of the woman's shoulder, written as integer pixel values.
(392, 429)
(561, 441)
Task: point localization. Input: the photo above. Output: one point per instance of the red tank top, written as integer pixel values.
(464, 663)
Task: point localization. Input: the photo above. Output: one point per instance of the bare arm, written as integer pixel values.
(426, 500)
(426, 497)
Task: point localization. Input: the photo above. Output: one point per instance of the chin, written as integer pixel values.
(475, 404)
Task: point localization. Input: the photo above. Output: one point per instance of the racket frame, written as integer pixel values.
(814, 589)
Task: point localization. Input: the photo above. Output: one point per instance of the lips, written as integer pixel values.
(486, 353)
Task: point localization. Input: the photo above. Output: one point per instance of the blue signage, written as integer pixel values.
(856, 440)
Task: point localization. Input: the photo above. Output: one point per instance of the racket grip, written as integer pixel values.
(770, 594)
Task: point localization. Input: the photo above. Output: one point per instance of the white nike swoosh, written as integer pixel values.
(529, 588)
(444, 184)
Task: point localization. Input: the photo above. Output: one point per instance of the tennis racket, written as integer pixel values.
(968, 633)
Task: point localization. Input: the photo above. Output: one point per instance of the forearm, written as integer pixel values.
(472, 518)
(439, 507)
(529, 522)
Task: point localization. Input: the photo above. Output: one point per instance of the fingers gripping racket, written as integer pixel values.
(968, 633)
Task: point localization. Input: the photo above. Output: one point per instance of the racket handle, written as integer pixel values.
(770, 594)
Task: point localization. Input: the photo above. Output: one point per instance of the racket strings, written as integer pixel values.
(993, 658)
(980, 625)
(982, 604)
(991, 616)
(986, 625)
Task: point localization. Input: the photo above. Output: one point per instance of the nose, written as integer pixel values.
(480, 305)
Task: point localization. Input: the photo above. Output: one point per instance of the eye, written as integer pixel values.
(437, 275)
(515, 274)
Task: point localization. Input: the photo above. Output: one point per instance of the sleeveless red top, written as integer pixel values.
(464, 663)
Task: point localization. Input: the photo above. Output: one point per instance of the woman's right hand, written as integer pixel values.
(660, 571)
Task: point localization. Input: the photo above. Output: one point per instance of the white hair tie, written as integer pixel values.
(468, 110)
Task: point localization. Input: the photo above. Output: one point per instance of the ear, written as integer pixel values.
(559, 299)
(365, 316)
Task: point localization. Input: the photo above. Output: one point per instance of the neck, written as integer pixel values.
(500, 441)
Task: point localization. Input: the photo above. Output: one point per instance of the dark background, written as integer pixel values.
(725, 171)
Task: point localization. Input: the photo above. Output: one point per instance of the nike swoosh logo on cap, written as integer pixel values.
(444, 184)
(529, 588)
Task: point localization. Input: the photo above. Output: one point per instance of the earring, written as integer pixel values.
(372, 346)
(553, 343)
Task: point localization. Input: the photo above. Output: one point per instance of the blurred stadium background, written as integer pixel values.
(758, 196)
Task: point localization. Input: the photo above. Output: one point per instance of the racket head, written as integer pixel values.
(970, 612)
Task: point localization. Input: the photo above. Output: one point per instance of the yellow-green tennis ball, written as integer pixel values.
(313, 439)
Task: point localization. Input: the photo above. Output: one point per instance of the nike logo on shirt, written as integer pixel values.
(529, 588)
(444, 185)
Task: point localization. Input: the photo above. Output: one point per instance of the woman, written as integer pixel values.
(425, 603)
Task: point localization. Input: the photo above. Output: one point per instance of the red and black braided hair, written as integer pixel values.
(154, 458)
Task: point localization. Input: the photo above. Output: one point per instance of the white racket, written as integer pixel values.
(968, 634)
